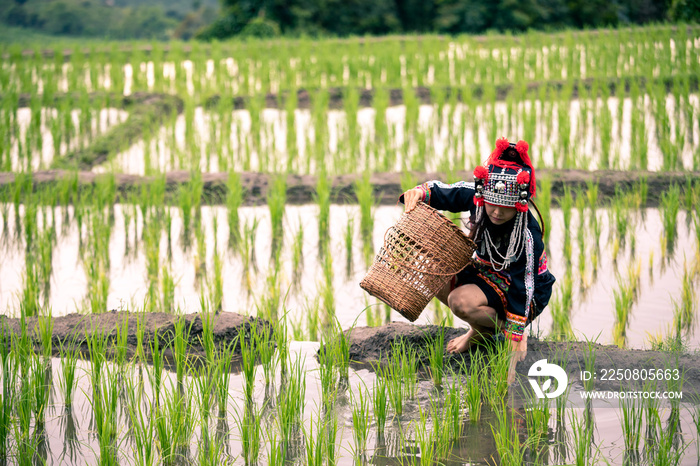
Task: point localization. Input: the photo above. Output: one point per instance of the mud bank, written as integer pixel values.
(427, 95)
(78, 328)
(387, 186)
(373, 345)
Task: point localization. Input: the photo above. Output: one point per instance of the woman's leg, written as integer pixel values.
(470, 304)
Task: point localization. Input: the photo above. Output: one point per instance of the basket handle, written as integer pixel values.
(437, 274)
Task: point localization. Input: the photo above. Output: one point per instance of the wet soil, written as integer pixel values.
(387, 186)
(427, 96)
(78, 328)
(370, 346)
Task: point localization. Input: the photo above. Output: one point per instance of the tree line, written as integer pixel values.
(204, 19)
(376, 17)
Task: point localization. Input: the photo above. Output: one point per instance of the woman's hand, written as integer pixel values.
(518, 353)
(412, 197)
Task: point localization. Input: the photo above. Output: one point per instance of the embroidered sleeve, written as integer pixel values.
(542, 268)
(426, 192)
(455, 197)
(515, 326)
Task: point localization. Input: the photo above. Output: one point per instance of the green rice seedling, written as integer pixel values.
(298, 256)
(142, 429)
(511, 450)
(248, 359)
(276, 200)
(312, 311)
(44, 330)
(566, 203)
(561, 310)
(688, 306)
(425, 439)
(668, 452)
(328, 373)
(97, 351)
(443, 314)
(472, 389)
(174, 422)
(394, 385)
(157, 365)
(290, 407)
(581, 239)
(322, 197)
(265, 346)
(349, 240)
(498, 357)
(669, 203)
(217, 284)
(695, 414)
(365, 197)
(342, 352)
(204, 381)
(276, 452)
(582, 441)
(331, 435)
(281, 333)
(544, 203)
(68, 379)
(454, 416)
(360, 421)
(120, 343)
(651, 407)
(250, 429)
(207, 337)
(40, 389)
(315, 443)
(104, 405)
(9, 391)
(24, 400)
(223, 375)
(167, 285)
(624, 299)
(380, 401)
(589, 358)
(436, 357)
(327, 294)
(407, 365)
(537, 416)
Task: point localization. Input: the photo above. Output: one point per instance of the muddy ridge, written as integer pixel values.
(387, 186)
(77, 328)
(371, 346)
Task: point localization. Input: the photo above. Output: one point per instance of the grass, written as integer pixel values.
(364, 192)
(379, 402)
(360, 421)
(471, 391)
(276, 200)
(436, 357)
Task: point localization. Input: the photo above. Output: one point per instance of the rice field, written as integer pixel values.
(627, 269)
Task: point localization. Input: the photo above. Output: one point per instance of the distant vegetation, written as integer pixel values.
(212, 19)
(360, 17)
(111, 19)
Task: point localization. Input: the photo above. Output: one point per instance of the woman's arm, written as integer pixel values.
(456, 197)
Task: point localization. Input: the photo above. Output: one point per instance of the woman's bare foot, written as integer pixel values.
(459, 344)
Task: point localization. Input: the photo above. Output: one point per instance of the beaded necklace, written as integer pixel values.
(515, 245)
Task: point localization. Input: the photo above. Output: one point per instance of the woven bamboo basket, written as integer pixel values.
(420, 255)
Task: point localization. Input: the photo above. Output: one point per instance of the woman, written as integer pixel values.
(508, 283)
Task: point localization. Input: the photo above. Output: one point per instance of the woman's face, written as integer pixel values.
(498, 214)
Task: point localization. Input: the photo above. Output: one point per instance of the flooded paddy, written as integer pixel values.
(245, 281)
